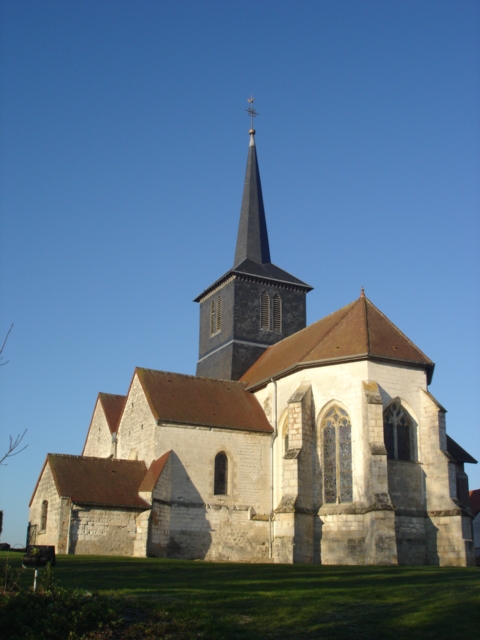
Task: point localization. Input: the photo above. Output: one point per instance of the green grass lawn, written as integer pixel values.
(284, 601)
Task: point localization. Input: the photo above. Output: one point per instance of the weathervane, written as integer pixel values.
(252, 113)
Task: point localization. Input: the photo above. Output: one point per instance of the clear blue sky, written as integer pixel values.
(123, 149)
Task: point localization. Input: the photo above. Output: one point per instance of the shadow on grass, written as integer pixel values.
(285, 601)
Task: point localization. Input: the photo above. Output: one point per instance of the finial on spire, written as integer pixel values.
(252, 113)
(362, 292)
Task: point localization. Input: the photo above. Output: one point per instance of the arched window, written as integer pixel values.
(212, 317)
(221, 475)
(397, 425)
(43, 517)
(277, 313)
(337, 456)
(265, 311)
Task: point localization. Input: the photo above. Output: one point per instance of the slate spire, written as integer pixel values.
(252, 239)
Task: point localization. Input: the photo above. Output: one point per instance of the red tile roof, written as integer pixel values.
(113, 408)
(98, 481)
(475, 501)
(192, 400)
(154, 473)
(356, 331)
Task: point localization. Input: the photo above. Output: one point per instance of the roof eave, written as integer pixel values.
(205, 425)
(327, 361)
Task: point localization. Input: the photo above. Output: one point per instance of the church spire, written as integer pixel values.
(252, 239)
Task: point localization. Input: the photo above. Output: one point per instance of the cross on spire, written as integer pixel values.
(252, 113)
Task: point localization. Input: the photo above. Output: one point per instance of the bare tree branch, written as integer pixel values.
(13, 449)
(1, 351)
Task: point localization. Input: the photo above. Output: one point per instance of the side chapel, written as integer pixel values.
(318, 444)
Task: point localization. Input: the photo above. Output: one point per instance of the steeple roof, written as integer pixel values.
(252, 253)
(355, 332)
(252, 239)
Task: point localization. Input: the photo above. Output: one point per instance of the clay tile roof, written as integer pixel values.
(359, 330)
(113, 408)
(99, 481)
(475, 501)
(458, 453)
(154, 473)
(196, 401)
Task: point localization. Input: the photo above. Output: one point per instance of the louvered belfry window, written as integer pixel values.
(265, 311)
(221, 475)
(219, 313)
(337, 456)
(277, 313)
(216, 316)
(397, 432)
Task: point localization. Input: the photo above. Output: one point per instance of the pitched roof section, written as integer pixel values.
(98, 481)
(113, 408)
(475, 501)
(356, 331)
(154, 472)
(195, 401)
(252, 239)
(458, 452)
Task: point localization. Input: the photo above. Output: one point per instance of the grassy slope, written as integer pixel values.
(284, 601)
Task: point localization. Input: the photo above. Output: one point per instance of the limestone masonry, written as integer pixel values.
(317, 444)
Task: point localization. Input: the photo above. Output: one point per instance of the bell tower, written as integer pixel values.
(255, 304)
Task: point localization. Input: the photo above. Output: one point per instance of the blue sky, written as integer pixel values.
(123, 149)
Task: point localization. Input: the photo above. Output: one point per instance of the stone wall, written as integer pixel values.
(105, 531)
(46, 490)
(99, 439)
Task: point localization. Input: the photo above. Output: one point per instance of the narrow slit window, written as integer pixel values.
(221, 475)
(265, 311)
(43, 519)
(277, 313)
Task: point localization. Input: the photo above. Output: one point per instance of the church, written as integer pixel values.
(291, 444)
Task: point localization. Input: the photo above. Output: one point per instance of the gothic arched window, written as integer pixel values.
(277, 313)
(336, 431)
(397, 425)
(265, 311)
(221, 475)
(44, 514)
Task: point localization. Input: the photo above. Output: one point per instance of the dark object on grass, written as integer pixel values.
(4, 546)
(39, 555)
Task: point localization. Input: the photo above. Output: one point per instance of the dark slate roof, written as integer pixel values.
(475, 501)
(356, 331)
(252, 239)
(154, 472)
(196, 401)
(458, 453)
(98, 481)
(252, 254)
(113, 409)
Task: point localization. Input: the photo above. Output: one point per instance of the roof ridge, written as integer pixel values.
(399, 330)
(351, 306)
(366, 321)
(115, 395)
(189, 375)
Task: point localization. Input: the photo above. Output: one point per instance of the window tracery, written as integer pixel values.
(397, 425)
(337, 456)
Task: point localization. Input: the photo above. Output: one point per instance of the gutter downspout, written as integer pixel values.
(272, 441)
(67, 550)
